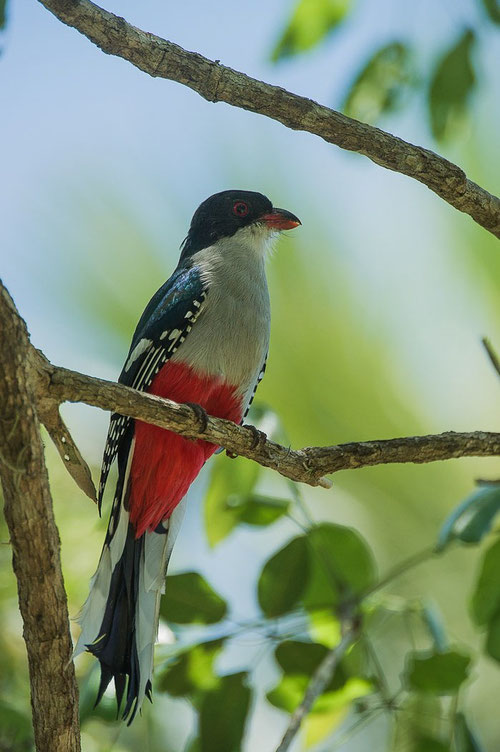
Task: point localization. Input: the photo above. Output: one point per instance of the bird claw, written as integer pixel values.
(258, 437)
(201, 415)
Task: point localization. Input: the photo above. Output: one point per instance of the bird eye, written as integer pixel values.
(240, 209)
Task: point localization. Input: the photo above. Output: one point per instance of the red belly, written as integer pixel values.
(165, 464)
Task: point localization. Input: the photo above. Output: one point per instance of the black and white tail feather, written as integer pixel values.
(119, 619)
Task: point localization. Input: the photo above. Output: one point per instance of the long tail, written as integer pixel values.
(119, 619)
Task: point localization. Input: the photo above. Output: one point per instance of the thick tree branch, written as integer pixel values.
(217, 83)
(307, 465)
(35, 545)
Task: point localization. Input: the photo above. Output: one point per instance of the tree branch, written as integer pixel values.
(35, 545)
(307, 465)
(319, 682)
(217, 83)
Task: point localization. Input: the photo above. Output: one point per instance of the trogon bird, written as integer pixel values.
(203, 338)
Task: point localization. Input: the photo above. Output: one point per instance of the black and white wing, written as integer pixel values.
(162, 328)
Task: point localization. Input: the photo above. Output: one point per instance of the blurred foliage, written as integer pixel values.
(492, 8)
(472, 520)
(310, 23)
(192, 600)
(439, 673)
(380, 85)
(229, 493)
(329, 571)
(451, 85)
(3, 14)
(191, 670)
(394, 68)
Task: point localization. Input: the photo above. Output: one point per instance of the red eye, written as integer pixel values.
(240, 209)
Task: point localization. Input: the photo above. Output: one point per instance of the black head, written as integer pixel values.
(223, 214)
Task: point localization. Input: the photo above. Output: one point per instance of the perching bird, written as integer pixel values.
(203, 338)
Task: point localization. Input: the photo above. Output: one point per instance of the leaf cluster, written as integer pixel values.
(393, 71)
(319, 584)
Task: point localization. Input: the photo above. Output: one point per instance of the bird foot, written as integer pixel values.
(201, 415)
(258, 437)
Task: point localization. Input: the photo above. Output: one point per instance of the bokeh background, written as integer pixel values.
(379, 301)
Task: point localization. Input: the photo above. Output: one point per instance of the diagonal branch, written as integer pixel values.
(492, 355)
(217, 83)
(319, 682)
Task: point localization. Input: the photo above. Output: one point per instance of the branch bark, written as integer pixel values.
(35, 545)
(218, 83)
(307, 465)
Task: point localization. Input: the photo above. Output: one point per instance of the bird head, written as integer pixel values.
(225, 214)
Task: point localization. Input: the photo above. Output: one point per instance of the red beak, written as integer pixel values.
(281, 219)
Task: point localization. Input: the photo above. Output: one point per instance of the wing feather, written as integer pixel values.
(163, 327)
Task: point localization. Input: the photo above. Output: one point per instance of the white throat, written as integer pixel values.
(231, 336)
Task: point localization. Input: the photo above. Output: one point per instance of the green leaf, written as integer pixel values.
(430, 744)
(465, 740)
(231, 483)
(493, 637)
(330, 710)
(311, 22)
(379, 86)
(492, 8)
(193, 745)
(472, 519)
(288, 693)
(191, 600)
(297, 657)
(290, 690)
(3, 14)
(418, 718)
(283, 578)
(451, 85)
(191, 670)
(438, 673)
(324, 627)
(15, 729)
(262, 510)
(486, 596)
(223, 715)
(299, 661)
(341, 566)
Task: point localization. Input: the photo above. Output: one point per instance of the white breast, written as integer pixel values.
(230, 339)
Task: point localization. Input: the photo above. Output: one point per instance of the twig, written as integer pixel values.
(404, 566)
(217, 83)
(495, 362)
(68, 451)
(319, 681)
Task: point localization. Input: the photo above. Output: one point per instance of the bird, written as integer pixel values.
(203, 339)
